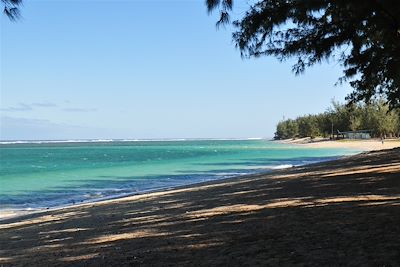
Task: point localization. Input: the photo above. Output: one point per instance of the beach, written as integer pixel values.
(364, 145)
(342, 212)
(133, 134)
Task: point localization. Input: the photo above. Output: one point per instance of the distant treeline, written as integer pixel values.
(374, 116)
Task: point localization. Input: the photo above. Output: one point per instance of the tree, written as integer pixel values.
(11, 8)
(397, 123)
(364, 36)
(286, 129)
(308, 126)
(374, 116)
(324, 123)
(341, 116)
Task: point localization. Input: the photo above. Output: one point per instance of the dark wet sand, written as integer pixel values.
(340, 213)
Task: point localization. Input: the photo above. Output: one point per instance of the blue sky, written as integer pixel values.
(144, 69)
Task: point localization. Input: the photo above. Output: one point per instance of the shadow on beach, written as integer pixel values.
(344, 212)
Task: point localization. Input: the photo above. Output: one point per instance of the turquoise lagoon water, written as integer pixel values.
(50, 174)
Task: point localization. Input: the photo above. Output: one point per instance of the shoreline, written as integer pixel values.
(28, 212)
(8, 214)
(310, 214)
(362, 145)
(105, 200)
(170, 189)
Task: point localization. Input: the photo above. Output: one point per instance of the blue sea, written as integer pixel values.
(47, 174)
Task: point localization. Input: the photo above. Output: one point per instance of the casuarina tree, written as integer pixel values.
(11, 8)
(364, 36)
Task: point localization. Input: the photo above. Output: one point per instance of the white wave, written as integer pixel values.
(54, 141)
(10, 142)
(283, 166)
(40, 141)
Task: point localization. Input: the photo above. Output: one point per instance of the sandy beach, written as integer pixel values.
(364, 145)
(345, 212)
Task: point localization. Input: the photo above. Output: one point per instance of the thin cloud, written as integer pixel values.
(31, 106)
(19, 107)
(17, 128)
(80, 109)
(7, 120)
(44, 104)
(28, 106)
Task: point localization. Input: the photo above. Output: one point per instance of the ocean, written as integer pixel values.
(48, 174)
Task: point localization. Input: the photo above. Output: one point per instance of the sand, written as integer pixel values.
(362, 145)
(342, 213)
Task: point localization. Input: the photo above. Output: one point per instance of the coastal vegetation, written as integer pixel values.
(11, 8)
(375, 117)
(362, 36)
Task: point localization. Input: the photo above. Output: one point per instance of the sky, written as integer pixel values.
(144, 69)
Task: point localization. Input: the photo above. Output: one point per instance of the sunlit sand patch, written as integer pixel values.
(42, 248)
(223, 210)
(80, 257)
(325, 201)
(45, 247)
(5, 259)
(139, 212)
(395, 202)
(358, 198)
(243, 208)
(289, 176)
(43, 219)
(283, 203)
(176, 206)
(286, 203)
(69, 230)
(384, 169)
(4, 214)
(55, 240)
(196, 219)
(197, 245)
(204, 245)
(123, 236)
(139, 220)
(243, 192)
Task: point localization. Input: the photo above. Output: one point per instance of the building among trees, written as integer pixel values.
(360, 134)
